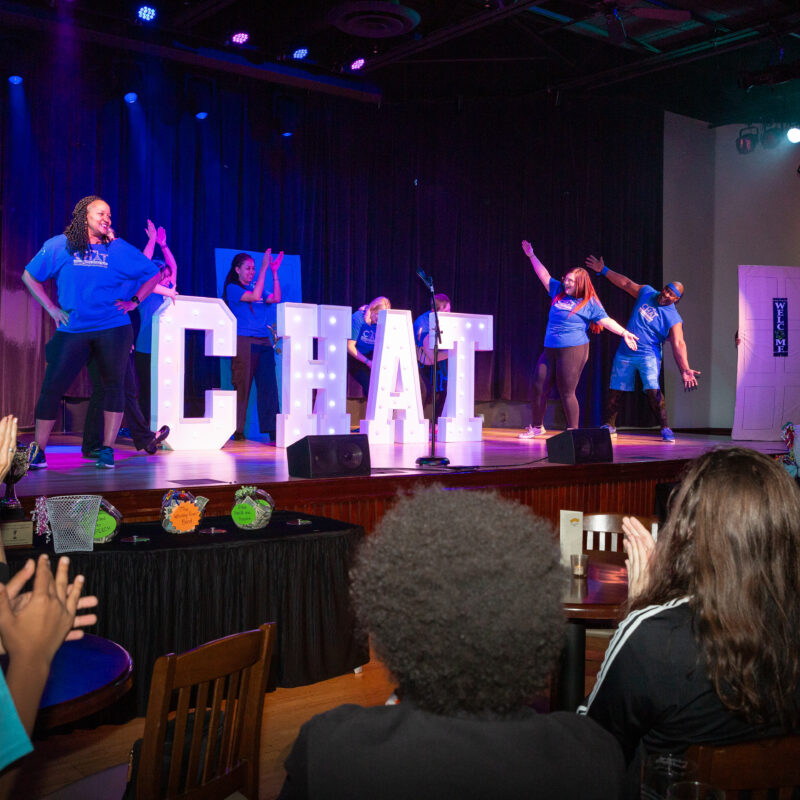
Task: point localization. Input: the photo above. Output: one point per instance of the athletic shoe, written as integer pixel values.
(90, 454)
(612, 431)
(667, 435)
(532, 431)
(39, 461)
(155, 442)
(105, 458)
(238, 437)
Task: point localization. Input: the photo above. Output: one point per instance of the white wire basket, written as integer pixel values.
(73, 519)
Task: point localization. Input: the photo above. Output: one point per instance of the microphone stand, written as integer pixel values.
(433, 460)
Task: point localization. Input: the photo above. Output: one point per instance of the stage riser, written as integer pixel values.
(590, 488)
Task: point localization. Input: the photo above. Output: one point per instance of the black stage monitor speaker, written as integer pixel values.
(335, 456)
(580, 446)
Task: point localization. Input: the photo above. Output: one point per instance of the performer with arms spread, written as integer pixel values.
(574, 308)
(654, 320)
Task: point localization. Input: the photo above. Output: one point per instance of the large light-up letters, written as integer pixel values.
(299, 324)
(462, 335)
(170, 322)
(394, 405)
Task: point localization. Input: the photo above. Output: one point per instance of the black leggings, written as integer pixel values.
(562, 366)
(66, 353)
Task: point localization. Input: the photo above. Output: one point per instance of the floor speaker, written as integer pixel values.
(335, 456)
(580, 446)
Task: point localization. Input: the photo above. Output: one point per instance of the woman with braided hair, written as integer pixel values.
(100, 279)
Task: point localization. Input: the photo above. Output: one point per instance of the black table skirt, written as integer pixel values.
(176, 592)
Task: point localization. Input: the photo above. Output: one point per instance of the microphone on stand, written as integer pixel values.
(425, 279)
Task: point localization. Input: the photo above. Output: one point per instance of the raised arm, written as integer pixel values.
(619, 280)
(151, 232)
(169, 259)
(682, 357)
(275, 295)
(540, 269)
(614, 326)
(36, 288)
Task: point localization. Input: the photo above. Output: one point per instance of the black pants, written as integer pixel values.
(562, 366)
(66, 353)
(142, 363)
(360, 373)
(255, 358)
(95, 424)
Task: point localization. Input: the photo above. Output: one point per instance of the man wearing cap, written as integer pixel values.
(654, 320)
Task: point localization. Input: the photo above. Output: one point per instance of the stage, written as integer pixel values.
(502, 462)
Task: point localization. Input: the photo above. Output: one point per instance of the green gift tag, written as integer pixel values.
(105, 526)
(261, 501)
(243, 514)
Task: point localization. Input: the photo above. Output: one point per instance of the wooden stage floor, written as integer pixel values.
(514, 467)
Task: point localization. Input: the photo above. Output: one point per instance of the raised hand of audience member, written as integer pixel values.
(33, 633)
(639, 545)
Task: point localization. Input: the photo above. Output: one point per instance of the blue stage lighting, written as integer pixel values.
(131, 98)
(286, 134)
(300, 53)
(201, 115)
(15, 80)
(146, 13)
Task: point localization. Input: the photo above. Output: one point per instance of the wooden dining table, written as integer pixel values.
(86, 676)
(600, 597)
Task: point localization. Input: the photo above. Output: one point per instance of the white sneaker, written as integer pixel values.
(532, 431)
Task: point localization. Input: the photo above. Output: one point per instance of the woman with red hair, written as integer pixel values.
(574, 309)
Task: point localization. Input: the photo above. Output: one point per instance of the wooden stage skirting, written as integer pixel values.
(501, 462)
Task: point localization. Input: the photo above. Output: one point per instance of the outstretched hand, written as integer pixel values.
(639, 545)
(689, 379)
(161, 237)
(276, 262)
(150, 230)
(34, 627)
(631, 339)
(526, 248)
(594, 263)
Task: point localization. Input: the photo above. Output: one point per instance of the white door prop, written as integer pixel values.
(394, 404)
(768, 358)
(299, 324)
(462, 335)
(170, 322)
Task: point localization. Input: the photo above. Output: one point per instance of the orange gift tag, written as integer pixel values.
(185, 517)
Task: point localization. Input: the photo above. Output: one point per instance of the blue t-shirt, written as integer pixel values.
(90, 283)
(363, 334)
(650, 322)
(251, 318)
(14, 741)
(148, 307)
(565, 329)
(421, 330)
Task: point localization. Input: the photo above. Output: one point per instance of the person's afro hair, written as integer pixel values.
(461, 593)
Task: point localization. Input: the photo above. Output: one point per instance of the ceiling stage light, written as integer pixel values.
(357, 64)
(131, 98)
(300, 53)
(747, 140)
(146, 13)
(793, 134)
(240, 37)
(15, 80)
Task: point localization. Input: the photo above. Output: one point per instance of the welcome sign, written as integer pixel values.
(780, 328)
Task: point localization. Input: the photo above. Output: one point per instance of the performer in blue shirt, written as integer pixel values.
(93, 273)
(654, 319)
(244, 294)
(425, 357)
(361, 343)
(575, 308)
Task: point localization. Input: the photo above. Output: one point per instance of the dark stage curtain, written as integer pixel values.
(364, 193)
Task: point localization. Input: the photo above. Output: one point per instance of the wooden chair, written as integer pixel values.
(602, 536)
(753, 768)
(215, 748)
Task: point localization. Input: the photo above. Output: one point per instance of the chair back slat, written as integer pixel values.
(233, 671)
(602, 536)
(754, 768)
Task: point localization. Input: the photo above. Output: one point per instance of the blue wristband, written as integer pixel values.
(604, 270)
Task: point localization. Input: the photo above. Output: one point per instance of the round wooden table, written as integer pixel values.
(85, 676)
(599, 597)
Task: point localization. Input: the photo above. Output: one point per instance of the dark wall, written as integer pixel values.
(365, 195)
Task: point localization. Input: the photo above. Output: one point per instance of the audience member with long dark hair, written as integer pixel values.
(575, 308)
(255, 357)
(710, 651)
(460, 592)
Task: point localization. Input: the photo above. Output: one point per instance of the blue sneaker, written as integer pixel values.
(667, 435)
(612, 431)
(39, 461)
(105, 458)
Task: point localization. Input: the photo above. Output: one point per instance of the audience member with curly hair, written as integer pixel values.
(461, 594)
(710, 651)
